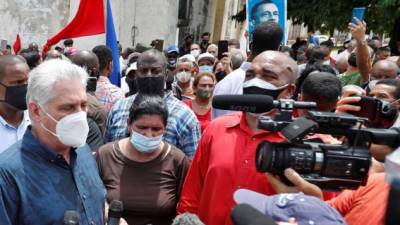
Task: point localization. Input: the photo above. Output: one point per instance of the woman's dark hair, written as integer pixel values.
(148, 105)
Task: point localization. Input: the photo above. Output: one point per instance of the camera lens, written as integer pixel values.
(270, 157)
(275, 158)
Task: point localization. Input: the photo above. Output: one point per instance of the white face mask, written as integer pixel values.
(72, 130)
(145, 144)
(195, 53)
(183, 77)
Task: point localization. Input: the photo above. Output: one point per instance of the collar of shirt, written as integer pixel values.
(103, 79)
(241, 122)
(25, 121)
(32, 145)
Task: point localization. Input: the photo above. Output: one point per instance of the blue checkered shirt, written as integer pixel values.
(183, 129)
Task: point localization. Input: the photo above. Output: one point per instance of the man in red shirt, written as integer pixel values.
(225, 158)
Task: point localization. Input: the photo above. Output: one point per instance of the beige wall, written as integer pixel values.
(33, 20)
(37, 20)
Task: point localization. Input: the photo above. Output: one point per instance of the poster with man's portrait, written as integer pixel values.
(259, 11)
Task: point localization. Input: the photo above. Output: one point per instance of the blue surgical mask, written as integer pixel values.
(205, 69)
(145, 144)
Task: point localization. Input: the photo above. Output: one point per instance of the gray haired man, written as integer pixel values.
(52, 170)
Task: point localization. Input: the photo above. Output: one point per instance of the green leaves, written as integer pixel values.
(331, 14)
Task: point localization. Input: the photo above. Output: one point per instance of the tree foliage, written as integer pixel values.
(330, 14)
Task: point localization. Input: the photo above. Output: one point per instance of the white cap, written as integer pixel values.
(133, 66)
(207, 56)
(188, 57)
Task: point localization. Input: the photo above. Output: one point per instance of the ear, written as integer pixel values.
(129, 126)
(291, 89)
(397, 104)
(34, 112)
(110, 66)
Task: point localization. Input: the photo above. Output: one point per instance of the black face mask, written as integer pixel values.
(169, 81)
(91, 84)
(153, 85)
(261, 91)
(16, 96)
(220, 75)
(132, 85)
(386, 117)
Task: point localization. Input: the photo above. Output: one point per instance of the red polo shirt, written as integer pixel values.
(367, 204)
(224, 162)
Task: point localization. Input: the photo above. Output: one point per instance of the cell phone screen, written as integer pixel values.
(222, 48)
(369, 108)
(358, 13)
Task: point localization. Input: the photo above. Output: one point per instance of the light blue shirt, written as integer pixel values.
(37, 185)
(9, 134)
(232, 84)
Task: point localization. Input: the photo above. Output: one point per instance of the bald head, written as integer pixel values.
(279, 63)
(53, 54)
(86, 59)
(152, 56)
(9, 61)
(384, 69)
(342, 64)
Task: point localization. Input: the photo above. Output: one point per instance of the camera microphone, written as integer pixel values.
(244, 214)
(115, 212)
(71, 217)
(244, 103)
(257, 103)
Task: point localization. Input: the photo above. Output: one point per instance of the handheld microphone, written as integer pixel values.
(244, 103)
(244, 214)
(115, 212)
(71, 217)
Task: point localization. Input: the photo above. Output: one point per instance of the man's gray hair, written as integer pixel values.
(187, 219)
(43, 78)
(184, 61)
(212, 46)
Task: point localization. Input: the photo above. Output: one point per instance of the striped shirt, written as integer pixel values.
(107, 93)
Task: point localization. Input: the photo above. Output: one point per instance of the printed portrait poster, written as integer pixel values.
(259, 11)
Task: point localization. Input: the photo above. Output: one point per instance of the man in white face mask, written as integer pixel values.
(195, 50)
(51, 167)
(183, 85)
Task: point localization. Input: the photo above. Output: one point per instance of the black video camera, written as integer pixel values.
(331, 167)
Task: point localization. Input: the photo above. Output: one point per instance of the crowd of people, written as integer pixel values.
(72, 140)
